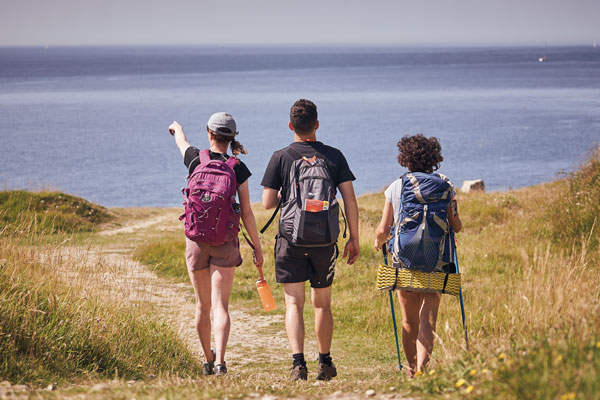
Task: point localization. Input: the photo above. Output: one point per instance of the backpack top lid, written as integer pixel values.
(419, 187)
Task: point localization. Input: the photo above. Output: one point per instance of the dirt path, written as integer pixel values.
(111, 267)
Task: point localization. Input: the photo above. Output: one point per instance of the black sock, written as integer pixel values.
(298, 360)
(325, 358)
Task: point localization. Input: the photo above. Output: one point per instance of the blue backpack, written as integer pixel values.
(421, 238)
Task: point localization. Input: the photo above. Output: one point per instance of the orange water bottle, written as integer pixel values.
(264, 292)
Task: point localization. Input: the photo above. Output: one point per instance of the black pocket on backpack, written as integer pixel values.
(313, 228)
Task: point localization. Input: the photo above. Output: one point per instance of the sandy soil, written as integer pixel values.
(113, 271)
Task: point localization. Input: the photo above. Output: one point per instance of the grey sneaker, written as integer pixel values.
(208, 367)
(220, 369)
(326, 372)
(299, 372)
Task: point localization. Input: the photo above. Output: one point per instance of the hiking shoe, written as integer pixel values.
(326, 372)
(220, 369)
(208, 367)
(299, 372)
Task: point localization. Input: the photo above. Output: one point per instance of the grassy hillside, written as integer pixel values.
(35, 213)
(56, 322)
(530, 259)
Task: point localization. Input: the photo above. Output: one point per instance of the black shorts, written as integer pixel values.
(300, 264)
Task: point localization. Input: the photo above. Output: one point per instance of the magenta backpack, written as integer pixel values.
(210, 216)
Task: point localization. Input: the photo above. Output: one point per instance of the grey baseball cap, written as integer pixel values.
(223, 124)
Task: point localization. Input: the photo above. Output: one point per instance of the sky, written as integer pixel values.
(393, 22)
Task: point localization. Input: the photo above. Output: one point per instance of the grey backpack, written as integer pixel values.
(309, 210)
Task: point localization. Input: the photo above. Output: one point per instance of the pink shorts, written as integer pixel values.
(200, 256)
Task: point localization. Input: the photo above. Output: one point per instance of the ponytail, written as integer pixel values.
(236, 147)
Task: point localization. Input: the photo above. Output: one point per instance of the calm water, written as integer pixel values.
(93, 121)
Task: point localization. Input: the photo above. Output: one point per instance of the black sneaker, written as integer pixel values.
(299, 372)
(326, 372)
(208, 367)
(220, 369)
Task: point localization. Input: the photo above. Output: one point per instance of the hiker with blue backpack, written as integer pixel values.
(212, 222)
(302, 180)
(420, 212)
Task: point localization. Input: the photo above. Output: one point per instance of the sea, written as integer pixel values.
(92, 121)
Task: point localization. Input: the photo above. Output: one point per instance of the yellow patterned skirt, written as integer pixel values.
(417, 281)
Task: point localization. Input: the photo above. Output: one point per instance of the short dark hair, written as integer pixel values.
(420, 154)
(303, 116)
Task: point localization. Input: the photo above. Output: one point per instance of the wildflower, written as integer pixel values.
(431, 372)
(140, 366)
(418, 373)
(485, 371)
(469, 389)
(502, 356)
(598, 345)
(568, 396)
(460, 382)
(472, 372)
(558, 359)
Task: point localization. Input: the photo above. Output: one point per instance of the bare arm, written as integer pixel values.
(249, 223)
(180, 140)
(453, 217)
(383, 229)
(270, 198)
(352, 247)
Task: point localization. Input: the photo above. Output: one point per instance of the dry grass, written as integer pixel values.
(530, 259)
(60, 319)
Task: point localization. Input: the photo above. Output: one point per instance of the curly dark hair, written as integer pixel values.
(420, 154)
(303, 116)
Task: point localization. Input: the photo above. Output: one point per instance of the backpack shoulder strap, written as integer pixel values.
(324, 151)
(232, 162)
(292, 153)
(416, 187)
(204, 156)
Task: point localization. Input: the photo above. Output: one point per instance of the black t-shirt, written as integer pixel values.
(278, 170)
(242, 173)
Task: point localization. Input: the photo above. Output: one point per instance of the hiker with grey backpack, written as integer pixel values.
(420, 214)
(212, 222)
(302, 180)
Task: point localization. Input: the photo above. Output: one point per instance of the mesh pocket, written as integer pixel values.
(314, 228)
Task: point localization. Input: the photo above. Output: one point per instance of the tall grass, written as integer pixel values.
(57, 322)
(576, 214)
(530, 263)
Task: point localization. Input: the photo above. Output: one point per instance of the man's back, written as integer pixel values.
(278, 170)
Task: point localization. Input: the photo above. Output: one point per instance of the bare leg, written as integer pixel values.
(321, 300)
(410, 303)
(222, 281)
(428, 318)
(294, 315)
(201, 283)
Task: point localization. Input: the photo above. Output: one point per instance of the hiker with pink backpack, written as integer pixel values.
(212, 222)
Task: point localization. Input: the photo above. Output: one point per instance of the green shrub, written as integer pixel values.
(48, 212)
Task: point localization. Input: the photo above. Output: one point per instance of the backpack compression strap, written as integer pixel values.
(264, 228)
(283, 194)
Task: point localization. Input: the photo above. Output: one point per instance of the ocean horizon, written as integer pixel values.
(92, 121)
